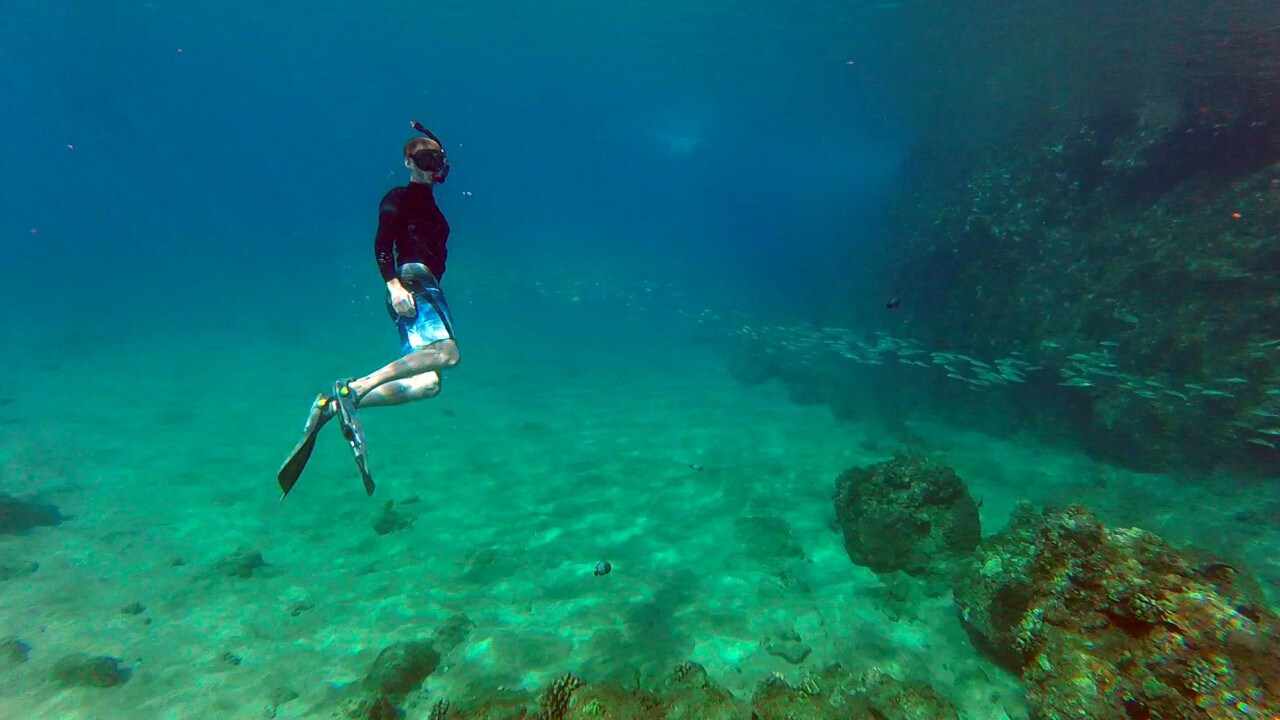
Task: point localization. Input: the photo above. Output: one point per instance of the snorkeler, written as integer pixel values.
(410, 248)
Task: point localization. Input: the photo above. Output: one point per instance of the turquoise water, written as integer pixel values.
(645, 198)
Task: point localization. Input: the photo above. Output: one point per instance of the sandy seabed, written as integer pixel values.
(553, 446)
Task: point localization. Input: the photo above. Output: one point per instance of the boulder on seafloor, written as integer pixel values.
(907, 514)
(400, 668)
(80, 670)
(1114, 624)
(13, 651)
(19, 516)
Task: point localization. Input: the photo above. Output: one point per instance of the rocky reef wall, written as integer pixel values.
(1126, 238)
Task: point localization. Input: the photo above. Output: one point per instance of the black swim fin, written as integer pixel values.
(321, 413)
(352, 431)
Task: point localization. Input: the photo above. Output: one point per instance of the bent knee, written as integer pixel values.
(423, 386)
(448, 354)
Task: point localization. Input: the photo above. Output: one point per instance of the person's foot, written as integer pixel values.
(322, 411)
(344, 393)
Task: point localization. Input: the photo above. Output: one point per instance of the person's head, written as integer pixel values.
(425, 160)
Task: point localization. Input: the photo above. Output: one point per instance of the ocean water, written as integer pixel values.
(679, 244)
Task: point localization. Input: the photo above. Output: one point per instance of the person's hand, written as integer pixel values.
(401, 299)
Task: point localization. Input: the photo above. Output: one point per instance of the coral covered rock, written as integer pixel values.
(690, 694)
(906, 514)
(887, 698)
(1113, 623)
(838, 694)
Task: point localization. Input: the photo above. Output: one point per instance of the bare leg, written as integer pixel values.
(398, 392)
(430, 359)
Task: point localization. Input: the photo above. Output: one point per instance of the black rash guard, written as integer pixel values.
(411, 228)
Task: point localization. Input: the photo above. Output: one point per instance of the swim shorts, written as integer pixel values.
(431, 321)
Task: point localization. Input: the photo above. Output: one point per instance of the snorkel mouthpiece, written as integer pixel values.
(435, 161)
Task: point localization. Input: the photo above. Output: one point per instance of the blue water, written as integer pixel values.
(716, 142)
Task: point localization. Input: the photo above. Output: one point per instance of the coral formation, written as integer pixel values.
(1113, 623)
(554, 702)
(837, 694)
(689, 694)
(906, 514)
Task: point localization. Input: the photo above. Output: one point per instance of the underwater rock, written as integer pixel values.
(10, 569)
(381, 709)
(1114, 624)
(689, 694)
(588, 701)
(492, 705)
(818, 697)
(281, 695)
(452, 632)
(82, 670)
(788, 646)
(390, 520)
(400, 668)
(19, 516)
(884, 697)
(906, 514)
(837, 694)
(13, 651)
(241, 564)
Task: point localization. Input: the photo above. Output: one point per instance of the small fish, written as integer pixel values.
(603, 568)
(893, 303)
(1269, 431)
(1270, 343)
(1263, 443)
(1235, 380)
(1216, 393)
(696, 467)
(1108, 343)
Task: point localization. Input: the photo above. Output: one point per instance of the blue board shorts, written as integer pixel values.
(431, 321)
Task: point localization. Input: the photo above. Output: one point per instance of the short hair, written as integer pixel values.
(425, 153)
(418, 144)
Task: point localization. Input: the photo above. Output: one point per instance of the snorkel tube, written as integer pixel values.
(439, 164)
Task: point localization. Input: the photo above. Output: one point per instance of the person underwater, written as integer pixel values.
(410, 248)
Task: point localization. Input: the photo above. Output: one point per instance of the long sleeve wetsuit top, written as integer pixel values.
(411, 229)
